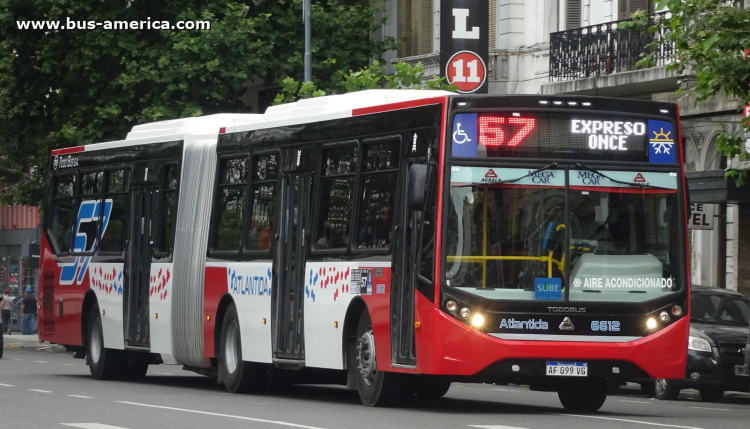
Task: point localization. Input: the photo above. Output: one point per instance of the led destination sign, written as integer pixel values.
(562, 135)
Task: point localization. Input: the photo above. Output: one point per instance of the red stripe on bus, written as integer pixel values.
(685, 210)
(439, 221)
(67, 150)
(398, 106)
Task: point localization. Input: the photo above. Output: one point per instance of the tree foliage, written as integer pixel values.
(710, 38)
(62, 88)
(373, 76)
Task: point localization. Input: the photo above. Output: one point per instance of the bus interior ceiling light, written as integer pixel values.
(651, 323)
(477, 320)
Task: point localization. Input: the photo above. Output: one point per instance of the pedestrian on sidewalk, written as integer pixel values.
(28, 312)
(6, 306)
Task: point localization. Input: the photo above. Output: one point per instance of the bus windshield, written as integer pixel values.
(506, 237)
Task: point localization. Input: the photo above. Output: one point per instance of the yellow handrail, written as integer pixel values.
(483, 259)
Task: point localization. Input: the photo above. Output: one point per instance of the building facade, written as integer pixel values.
(575, 47)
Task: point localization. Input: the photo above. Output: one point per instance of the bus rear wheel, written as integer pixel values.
(238, 376)
(585, 397)
(376, 388)
(104, 363)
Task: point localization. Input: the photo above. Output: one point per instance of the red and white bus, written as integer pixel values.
(394, 241)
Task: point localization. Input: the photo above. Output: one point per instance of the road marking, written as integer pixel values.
(15, 359)
(636, 402)
(220, 415)
(6, 385)
(41, 391)
(40, 361)
(494, 427)
(91, 426)
(68, 364)
(163, 373)
(628, 420)
(709, 408)
(82, 397)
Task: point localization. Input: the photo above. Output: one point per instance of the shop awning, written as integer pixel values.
(710, 187)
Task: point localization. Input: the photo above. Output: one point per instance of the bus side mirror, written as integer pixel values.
(416, 188)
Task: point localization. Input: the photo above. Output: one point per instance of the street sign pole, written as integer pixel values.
(308, 54)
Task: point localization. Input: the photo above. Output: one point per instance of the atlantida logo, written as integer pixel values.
(524, 324)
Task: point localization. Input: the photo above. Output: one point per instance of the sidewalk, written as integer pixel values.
(18, 341)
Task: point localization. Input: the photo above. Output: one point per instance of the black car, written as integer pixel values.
(716, 346)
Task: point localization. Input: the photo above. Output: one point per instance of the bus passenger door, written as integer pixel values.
(291, 250)
(138, 266)
(403, 287)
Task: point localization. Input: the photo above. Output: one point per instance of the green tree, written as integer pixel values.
(710, 38)
(373, 76)
(62, 88)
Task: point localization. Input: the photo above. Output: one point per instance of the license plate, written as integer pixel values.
(568, 369)
(740, 370)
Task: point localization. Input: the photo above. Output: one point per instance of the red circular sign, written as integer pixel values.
(466, 70)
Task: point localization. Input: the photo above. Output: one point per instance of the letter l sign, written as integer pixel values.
(460, 32)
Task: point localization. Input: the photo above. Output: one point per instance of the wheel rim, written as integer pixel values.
(96, 341)
(366, 360)
(232, 348)
(661, 386)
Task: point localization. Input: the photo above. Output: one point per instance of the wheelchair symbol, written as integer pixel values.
(460, 133)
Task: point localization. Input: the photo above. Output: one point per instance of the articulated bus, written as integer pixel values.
(393, 241)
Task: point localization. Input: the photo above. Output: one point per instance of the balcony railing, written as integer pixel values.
(604, 49)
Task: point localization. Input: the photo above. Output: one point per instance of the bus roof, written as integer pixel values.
(171, 130)
(339, 106)
(300, 112)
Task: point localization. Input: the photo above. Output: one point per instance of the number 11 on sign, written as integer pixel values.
(466, 71)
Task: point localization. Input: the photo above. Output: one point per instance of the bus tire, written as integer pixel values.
(137, 367)
(238, 376)
(584, 397)
(431, 388)
(104, 363)
(376, 388)
(665, 389)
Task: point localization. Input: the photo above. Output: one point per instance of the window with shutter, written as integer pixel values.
(627, 7)
(421, 18)
(403, 25)
(573, 14)
(493, 24)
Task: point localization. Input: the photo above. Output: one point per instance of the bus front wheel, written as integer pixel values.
(376, 388)
(104, 363)
(584, 397)
(238, 376)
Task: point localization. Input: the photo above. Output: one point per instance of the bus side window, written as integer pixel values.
(86, 225)
(231, 199)
(113, 233)
(168, 208)
(337, 191)
(62, 212)
(263, 204)
(379, 174)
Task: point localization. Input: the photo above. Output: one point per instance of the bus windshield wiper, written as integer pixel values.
(637, 185)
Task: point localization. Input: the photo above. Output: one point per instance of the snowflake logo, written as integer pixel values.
(662, 141)
(577, 282)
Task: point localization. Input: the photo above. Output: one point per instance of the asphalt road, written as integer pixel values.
(52, 390)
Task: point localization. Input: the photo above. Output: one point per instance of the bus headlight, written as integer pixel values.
(465, 312)
(698, 344)
(477, 321)
(651, 323)
(451, 305)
